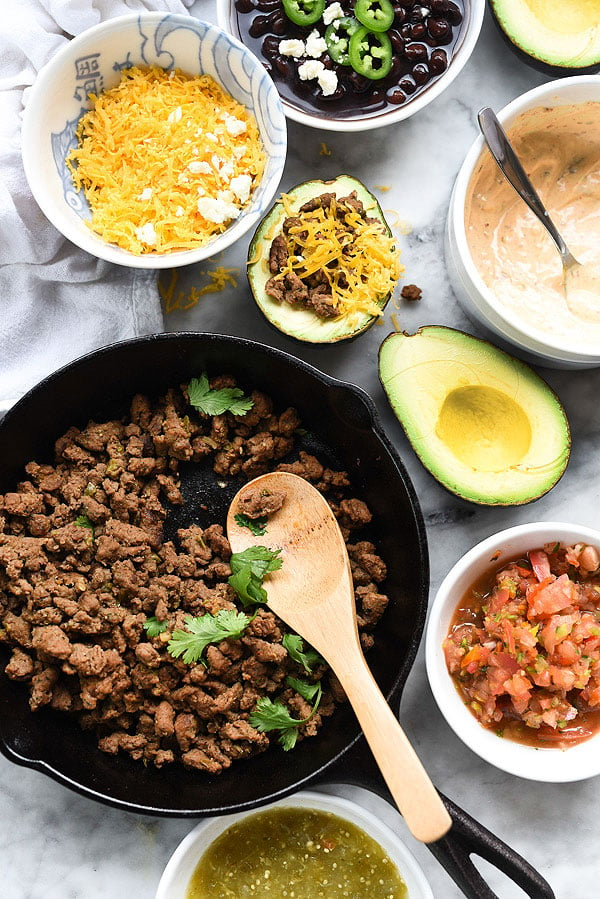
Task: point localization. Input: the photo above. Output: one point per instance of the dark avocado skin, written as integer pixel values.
(539, 64)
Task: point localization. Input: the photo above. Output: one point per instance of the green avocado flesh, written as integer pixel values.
(301, 323)
(483, 423)
(559, 33)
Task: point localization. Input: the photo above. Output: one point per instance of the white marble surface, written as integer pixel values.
(57, 845)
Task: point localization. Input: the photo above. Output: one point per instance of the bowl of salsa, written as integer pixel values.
(310, 844)
(513, 650)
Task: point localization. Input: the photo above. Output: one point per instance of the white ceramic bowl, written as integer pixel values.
(468, 35)
(550, 765)
(182, 863)
(472, 292)
(92, 62)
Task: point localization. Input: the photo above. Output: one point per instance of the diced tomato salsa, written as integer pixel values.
(524, 647)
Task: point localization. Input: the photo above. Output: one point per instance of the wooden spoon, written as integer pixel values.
(313, 593)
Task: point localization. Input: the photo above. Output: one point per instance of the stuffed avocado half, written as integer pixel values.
(323, 262)
(555, 36)
(483, 423)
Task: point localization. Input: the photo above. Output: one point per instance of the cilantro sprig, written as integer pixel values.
(83, 521)
(257, 526)
(309, 658)
(249, 568)
(204, 630)
(154, 627)
(216, 402)
(273, 715)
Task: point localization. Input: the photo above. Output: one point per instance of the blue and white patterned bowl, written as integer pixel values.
(92, 62)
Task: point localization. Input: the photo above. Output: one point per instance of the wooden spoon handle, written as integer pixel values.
(408, 782)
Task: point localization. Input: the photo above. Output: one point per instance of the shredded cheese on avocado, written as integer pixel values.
(360, 259)
(167, 161)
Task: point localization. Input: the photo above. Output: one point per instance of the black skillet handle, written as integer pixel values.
(466, 837)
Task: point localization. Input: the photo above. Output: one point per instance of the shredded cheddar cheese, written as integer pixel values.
(167, 161)
(181, 301)
(358, 257)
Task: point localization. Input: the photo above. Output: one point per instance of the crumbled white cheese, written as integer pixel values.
(201, 192)
(217, 211)
(226, 171)
(332, 12)
(146, 234)
(235, 126)
(146, 194)
(176, 115)
(183, 179)
(198, 166)
(310, 69)
(315, 45)
(211, 137)
(292, 47)
(328, 82)
(240, 186)
(179, 211)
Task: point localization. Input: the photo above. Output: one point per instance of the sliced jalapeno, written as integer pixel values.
(337, 37)
(376, 15)
(370, 53)
(303, 12)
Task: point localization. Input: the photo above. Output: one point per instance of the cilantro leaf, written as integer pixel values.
(310, 692)
(206, 629)
(258, 526)
(249, 568)
(269, 715)
(154, 627)
(215, 402)
(83, 521)
(308, 659)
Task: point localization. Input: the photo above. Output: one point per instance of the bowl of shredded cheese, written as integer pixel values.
(154, 140)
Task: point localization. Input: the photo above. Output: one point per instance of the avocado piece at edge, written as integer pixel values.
(560, 37)
(304, 324)
(484, 424)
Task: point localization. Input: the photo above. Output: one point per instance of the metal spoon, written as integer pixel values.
(313, 593)
(581, 282)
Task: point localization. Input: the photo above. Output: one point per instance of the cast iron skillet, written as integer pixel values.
(342, 428)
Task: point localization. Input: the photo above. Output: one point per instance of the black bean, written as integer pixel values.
(279, 24)
(260, 26)
(438, 7)
(397, 69)
(397, 41)
(440, 30)
(408, 85)
(400, 15)
(438, 62)
(406, 31)
(268, 5)
(284, 67)
(359, 83)
(407, 4)
(396, 96)
(420, 73)
(418, 31)
(416, 53)
(244, 6)
(454, 13)
(270, 46)
(418, 13)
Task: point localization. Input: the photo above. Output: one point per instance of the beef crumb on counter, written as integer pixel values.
(91, 591)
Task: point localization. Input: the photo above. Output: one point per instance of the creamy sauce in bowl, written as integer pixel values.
(516, 258)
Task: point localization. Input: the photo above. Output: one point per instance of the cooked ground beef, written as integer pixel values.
(313, 291)
(84, 564)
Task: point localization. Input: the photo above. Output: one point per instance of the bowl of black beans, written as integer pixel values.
(352, 65)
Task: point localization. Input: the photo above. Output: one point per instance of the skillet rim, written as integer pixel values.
(394, 691)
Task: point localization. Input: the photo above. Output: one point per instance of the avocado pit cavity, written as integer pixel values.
(484, 428)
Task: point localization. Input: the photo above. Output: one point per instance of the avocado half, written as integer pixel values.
(485, 425)
(304, 324)
(561, 37)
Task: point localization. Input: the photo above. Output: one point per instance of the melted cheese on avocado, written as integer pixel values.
(166, 161)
